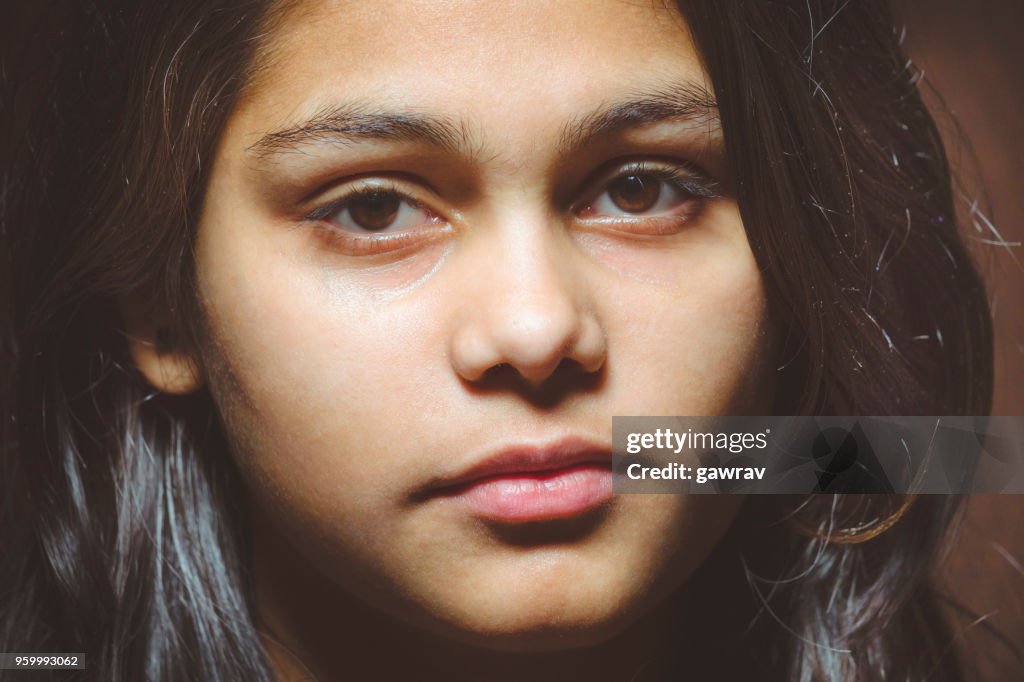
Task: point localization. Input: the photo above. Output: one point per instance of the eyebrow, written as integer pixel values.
(354, 122)
(351, 123)
(685, 101)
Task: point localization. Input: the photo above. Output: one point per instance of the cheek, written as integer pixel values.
(688, 326)
(307, 378)
(301, 368)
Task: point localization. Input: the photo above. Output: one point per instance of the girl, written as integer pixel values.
(320, 312)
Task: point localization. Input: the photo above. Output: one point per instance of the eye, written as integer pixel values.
(634, 193)
(643, 190)
(375, 208)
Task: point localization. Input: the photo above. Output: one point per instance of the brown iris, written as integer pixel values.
(376, 210)
(635, 193)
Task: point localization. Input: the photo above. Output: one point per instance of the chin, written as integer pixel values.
(535, 621)
(543, 635)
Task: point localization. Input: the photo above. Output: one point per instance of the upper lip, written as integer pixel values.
(527, 458)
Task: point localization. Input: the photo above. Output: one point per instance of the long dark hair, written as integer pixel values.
(119, 509)
(845, 190)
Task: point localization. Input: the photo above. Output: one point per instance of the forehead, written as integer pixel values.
(502, 70)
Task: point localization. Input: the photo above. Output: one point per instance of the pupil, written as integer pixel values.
(375, 211)
(635, 193)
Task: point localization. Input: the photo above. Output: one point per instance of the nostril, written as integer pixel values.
(503, 370)
(570, 377)
(508, 373)
(505, 374)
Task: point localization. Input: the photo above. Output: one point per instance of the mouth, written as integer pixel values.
(532, 482)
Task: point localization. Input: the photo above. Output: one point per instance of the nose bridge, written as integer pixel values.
(528, 309)
(533, 311)
(532, 275)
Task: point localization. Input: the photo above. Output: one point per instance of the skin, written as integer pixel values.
(517, 303)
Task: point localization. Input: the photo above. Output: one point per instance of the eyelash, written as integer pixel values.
(680, 177)
(357, 193)
(368, 242)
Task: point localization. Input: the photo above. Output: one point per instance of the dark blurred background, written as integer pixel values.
(972, 53)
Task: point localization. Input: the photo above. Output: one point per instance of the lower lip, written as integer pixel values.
(523, 497)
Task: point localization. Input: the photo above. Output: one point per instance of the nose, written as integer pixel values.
(527, 308)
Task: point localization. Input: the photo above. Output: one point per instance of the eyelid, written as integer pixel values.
(374, 244)
(359, 188)
(683, 174)
(357, 242)
(696, 187)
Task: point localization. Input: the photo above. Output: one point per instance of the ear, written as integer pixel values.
(157, 349)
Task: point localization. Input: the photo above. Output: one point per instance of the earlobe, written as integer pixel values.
(162, 359)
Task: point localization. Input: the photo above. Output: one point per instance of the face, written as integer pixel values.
(442, 245)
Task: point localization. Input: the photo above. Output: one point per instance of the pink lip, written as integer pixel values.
(534, 482)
